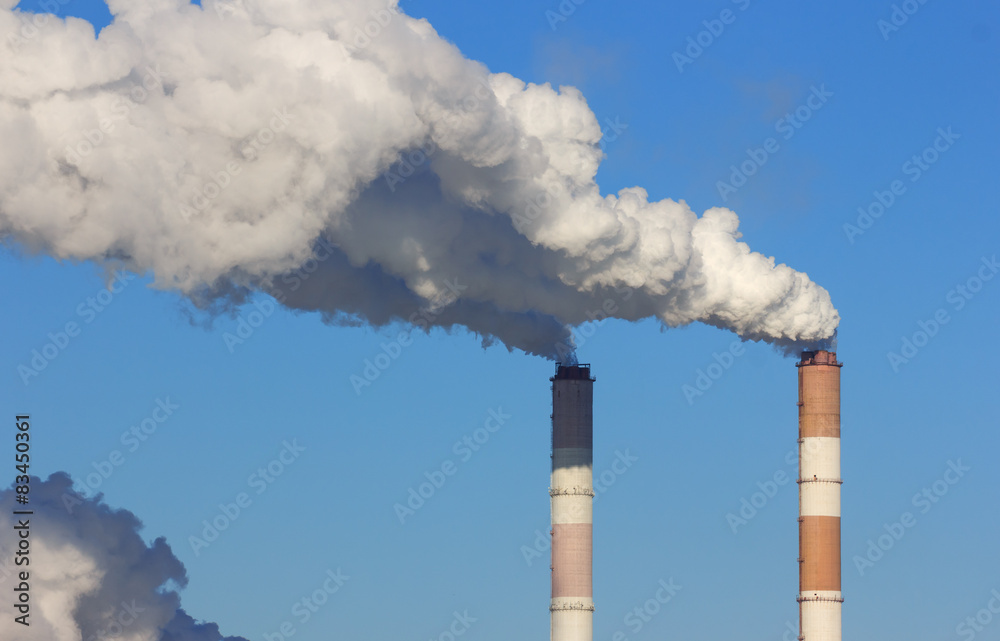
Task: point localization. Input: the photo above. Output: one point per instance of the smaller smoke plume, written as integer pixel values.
(92, 577)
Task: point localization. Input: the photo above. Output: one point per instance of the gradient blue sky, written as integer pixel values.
(666, 516)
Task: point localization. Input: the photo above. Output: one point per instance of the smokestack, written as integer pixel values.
(572, 493)
(819, 497)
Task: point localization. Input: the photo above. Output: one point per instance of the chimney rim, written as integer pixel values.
(817, 357)
(572, 372)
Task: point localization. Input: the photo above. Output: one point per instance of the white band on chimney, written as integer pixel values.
(572, 623)
(820, 456)
(821, 616)
(819, 499)
(572, 508)
(819, 461)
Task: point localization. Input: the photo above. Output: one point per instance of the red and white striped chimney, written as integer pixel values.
(819, 497)
(572, 493)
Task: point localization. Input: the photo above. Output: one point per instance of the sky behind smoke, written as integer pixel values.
(216, 147)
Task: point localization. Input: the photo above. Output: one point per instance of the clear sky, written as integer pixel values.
(872, 103)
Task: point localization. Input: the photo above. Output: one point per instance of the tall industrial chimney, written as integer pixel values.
(572, 493)
(819, 497)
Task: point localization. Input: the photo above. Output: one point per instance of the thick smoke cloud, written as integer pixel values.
(92, 576)
(217, 147)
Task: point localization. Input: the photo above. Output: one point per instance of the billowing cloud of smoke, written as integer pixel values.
(91, 575)
(217, 147)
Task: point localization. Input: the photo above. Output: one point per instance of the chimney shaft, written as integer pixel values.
(572, 495)
(819, 497)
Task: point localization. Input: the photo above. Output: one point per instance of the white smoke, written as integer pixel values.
(215, 147)
(91, 576)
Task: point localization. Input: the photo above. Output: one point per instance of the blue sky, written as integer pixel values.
(676, 132)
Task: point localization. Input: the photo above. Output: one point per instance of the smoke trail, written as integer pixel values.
(217, 146)
(92, 576)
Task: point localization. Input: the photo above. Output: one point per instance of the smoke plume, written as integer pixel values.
(91, 575)
(346, 159)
